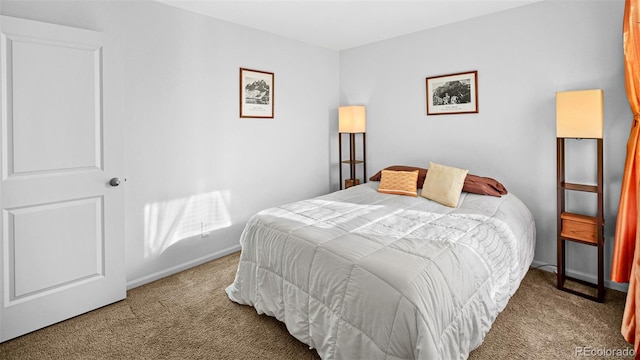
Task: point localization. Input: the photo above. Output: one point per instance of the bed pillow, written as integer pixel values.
(483, 186)
(399, 182)
(472, 183)
(421, 173)
(443, 184)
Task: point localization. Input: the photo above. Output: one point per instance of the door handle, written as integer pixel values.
(114, 182)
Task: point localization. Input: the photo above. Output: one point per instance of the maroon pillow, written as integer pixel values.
(483, 186)
(472, 183)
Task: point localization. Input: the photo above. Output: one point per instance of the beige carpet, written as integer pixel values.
(188, 316)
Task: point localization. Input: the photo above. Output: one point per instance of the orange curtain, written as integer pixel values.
(625, 266)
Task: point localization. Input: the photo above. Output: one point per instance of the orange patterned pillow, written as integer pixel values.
(399, 182)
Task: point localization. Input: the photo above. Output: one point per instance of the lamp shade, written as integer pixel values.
(580, 114)
(352, 119)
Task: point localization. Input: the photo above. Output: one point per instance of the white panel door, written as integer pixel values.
(61, 231)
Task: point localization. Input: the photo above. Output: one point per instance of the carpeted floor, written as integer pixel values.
(188, 316)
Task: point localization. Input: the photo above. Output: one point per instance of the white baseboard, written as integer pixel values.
(581, 275)
(181, 267)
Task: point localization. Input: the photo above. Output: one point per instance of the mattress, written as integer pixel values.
(358, 274)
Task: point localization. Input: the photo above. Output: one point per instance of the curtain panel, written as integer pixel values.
(625, 266)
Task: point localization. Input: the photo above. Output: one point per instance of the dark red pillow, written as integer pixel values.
(472, 183)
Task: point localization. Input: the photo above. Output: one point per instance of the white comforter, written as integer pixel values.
(358, 274)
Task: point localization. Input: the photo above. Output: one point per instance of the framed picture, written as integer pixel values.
(452, 94)
(256, 94)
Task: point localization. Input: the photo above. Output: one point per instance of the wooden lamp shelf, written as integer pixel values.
(352, 162)
(583, 229)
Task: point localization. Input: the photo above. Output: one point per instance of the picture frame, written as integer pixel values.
(256, 94)
(452, 93)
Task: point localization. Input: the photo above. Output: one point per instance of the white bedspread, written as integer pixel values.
(358, 274)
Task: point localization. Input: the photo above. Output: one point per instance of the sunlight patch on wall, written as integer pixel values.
(168, 222)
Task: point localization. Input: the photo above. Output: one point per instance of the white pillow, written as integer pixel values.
(443, 184)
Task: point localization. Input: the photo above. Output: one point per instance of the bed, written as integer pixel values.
(359, 274)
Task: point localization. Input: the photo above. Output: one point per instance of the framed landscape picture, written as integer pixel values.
(452, 94)
(256, 94)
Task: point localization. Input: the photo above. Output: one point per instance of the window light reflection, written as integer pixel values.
(168, 222)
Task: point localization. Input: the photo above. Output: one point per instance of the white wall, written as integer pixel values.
(523, 56)
(184, 139)
(189, 158)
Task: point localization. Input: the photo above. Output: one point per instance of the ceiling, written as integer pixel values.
(343, 24)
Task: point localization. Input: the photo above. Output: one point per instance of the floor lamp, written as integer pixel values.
(352, 120)
(580, 115)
